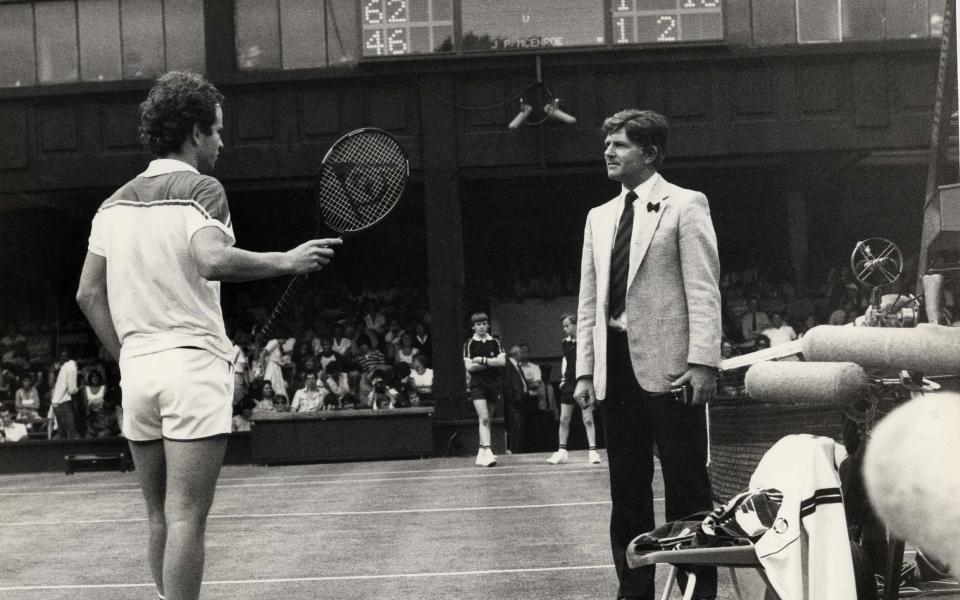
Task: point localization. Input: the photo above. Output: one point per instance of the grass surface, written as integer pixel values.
(436, 528)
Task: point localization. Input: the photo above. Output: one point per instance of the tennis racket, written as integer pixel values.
(361, 179)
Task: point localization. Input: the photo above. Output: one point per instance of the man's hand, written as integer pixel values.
(702, 379)
(584, 393)
(311, 256)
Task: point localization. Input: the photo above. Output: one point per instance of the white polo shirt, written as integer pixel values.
(157, 297)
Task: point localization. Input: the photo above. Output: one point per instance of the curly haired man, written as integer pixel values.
(150, 287)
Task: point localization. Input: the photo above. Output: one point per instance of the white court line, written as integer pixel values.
(351, 513)
(329, 482)
(100, 586)
(25, 488)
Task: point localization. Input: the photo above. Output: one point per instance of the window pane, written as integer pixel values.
(818, 21)
(862, 20)
(183, 23)
(774, 22)
(141, 25)
(99, 22)
(301, 26)
(343, 34)
(17, 60)
(56, 41)
(907, 18)
(258, 34)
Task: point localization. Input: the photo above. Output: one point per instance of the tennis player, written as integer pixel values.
(150, 287)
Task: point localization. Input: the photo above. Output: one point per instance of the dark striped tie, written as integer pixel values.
(620, 258)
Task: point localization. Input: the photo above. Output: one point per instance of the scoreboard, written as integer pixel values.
(654, 21)
(424, 27)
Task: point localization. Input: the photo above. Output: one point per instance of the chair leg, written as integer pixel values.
(691, 583)
(671, 579)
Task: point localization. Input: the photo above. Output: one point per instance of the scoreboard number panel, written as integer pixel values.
(665, 21)
(405, 27)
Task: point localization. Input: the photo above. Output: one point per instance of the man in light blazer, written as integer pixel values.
(648, 323)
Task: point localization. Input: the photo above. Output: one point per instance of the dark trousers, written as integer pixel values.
(66, 427)
(633, 423)
(513, 414)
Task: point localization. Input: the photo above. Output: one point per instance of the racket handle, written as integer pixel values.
(283, 304)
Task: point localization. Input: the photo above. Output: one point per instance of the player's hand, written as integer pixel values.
(312, 256)
(584, 393)
(702, 379)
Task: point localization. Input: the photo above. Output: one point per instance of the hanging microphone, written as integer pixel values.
(930, 349)
(525, 110)
(552, 110)
(832, 383)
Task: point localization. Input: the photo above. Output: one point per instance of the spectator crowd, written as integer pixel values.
(369, 347)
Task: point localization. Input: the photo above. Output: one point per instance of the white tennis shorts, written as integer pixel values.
(179, 394)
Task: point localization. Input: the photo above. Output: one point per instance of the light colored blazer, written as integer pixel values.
(673, 293)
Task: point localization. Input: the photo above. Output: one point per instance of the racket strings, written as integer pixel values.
(362, 179)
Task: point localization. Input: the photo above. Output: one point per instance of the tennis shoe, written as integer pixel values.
(487, 458)
(480, 458)
(594, 457)
(558, 457)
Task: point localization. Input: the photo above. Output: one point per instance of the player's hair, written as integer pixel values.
(572, 317)
(644, 128)
(176, 102)
(479, 316)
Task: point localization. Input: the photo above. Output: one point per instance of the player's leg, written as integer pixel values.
(141, 425)
(151, 468)
(560, 456)
(192, 471)
(485, 456)
(196, 408)
(587, 414)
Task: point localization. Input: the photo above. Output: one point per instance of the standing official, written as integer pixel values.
(649, 322)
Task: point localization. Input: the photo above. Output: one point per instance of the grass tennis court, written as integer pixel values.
(436, 528)
(420, 529)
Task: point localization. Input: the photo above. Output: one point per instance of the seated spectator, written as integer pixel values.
(843, 315)
(394, 332)
(754, 321)
(779, 332)
(373, 319)
(270, 400)
(381, 395)
(327, 354)
(309, 398)
(422, 340)
(338, 382)
(10, 430)
(405, 351)
(8, 385)
(241, 415)
(341, 343)
(808, 323)
(101, 413)
(27, 399)
(419, 382)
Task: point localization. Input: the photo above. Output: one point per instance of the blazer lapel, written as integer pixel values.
(643, 232)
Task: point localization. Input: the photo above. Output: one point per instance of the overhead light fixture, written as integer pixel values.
(525, 110)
